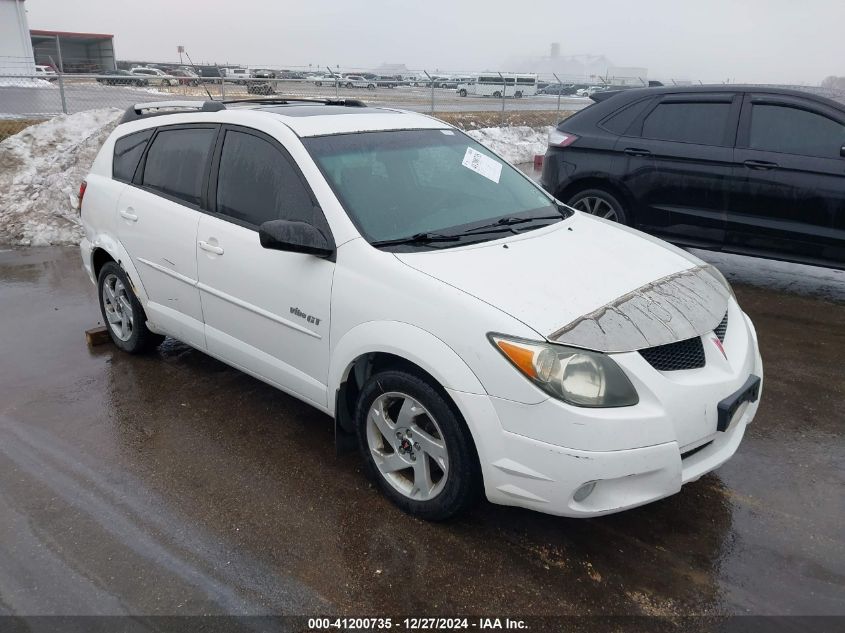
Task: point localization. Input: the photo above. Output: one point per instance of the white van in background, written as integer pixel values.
(493, 85)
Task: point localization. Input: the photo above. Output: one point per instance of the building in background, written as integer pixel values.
(74, 52)
(15, 46)
(628, 76)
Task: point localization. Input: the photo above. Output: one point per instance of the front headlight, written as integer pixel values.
(576, 376)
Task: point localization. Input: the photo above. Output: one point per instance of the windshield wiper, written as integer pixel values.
(504, 224)
(418, 238)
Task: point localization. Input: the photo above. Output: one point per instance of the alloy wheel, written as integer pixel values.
(407, 446)
(118, 308)
(597, 206)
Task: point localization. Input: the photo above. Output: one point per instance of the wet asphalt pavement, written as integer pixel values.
(172, 484)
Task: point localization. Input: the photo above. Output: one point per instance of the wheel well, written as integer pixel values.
(566, 194)
(359, 372)
(99, 259)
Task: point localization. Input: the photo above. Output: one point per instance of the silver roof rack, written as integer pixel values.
(156, 108)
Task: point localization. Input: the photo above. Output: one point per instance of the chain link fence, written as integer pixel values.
(25, 98)
(468, 100)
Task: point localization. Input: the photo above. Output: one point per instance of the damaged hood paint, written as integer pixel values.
(588, 283)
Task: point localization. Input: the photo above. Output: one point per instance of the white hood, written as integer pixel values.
(550, 278)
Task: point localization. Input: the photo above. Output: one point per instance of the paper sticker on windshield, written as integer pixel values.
(482, 164)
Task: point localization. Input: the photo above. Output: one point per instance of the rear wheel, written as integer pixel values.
(122, 312)
(517, 95)
(497, 95)
(462, 92)
(349, 84)
(371, 87)
(599, 203)
(416, 446)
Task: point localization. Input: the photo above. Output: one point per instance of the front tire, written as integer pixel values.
(416, 446)
(497, 95)
(462, 93)
(599, 203)
(123, 315)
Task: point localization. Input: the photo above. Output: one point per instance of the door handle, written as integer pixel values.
(127, 214)
(759, 164)
(635, 151)
(211, 248)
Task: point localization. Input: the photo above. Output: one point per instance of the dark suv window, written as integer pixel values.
(776, 128)
(256, 183)
(127, 153)
(176, 162)
(702, 123)
(620, 121)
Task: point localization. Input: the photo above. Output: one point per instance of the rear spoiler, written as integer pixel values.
(604, 95)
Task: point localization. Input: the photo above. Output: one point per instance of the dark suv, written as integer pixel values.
(747, 169)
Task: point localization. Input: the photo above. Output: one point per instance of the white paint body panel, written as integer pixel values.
(434, 309)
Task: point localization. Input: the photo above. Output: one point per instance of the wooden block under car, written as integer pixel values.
(97, 336)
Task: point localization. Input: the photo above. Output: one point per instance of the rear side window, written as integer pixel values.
(176, 162)
(701, 123)
(776, 128)
(256, 183)
(127, 154)
(619, 122)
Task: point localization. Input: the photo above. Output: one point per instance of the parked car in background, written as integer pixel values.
(185, 77)
(236, 75)
(746, 169)
(326, 80)
(589, 91)
(122, 78)
(358, 81)
(387, 269)
(46, 72)
(388, 81)
(154, 76)
(558, 89)
(263, 73)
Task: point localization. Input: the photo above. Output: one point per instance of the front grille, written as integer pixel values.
(722, 328)
(687, 354)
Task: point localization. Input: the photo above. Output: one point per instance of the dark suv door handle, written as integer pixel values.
(634, 151)
(759, 164)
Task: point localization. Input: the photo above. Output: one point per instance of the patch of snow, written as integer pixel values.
(517, 144)
(41, 168)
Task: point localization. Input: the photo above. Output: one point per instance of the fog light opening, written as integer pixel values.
(584, 491)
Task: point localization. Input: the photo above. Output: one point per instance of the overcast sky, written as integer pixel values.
(783, 41)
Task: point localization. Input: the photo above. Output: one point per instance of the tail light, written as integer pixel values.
(561, 139)
(82, 187)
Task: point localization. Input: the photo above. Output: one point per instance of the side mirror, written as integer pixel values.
(295, 237)
(842, 151)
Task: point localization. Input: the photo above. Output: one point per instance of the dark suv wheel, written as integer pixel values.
(599, 203)
(416, 446)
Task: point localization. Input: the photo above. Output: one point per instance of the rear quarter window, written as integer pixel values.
(621, 120)
(127, 153)
(176, 162)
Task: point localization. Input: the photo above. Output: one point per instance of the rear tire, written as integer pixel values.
(497, 95)
(599, 203)
(462, 93)
(416, 446)
(125, 319)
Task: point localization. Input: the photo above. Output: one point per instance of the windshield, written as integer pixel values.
(403, 183)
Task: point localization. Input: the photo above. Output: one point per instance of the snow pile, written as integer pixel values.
(518, 144)
(40, 171)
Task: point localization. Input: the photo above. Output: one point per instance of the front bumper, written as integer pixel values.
(634, 455)
(520, 471)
